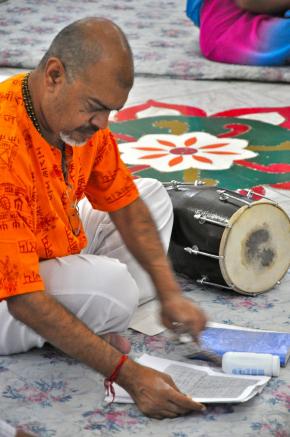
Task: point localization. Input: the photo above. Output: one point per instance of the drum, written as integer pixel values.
(227, 240)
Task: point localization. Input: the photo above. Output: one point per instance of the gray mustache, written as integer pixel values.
(89, 131)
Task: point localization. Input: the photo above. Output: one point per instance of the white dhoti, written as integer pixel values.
(104, 284)
(7, 430)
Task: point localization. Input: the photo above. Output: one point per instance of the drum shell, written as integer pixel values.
(188, 231)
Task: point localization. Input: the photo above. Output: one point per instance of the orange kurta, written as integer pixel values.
(35, 201)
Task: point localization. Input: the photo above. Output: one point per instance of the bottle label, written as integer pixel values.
(249, 371)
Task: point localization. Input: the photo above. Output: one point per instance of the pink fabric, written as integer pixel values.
(232, 35)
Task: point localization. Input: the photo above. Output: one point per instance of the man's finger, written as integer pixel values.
(169, 413)
(183, 401)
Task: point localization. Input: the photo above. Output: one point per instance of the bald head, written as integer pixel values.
(92, 41)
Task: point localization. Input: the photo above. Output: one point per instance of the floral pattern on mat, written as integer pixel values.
(200, 150)
(163, 39)
(51, 394)
(276, 116)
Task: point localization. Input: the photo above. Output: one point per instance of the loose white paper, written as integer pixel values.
(146, 319)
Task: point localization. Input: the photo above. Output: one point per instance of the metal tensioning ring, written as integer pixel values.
(182, 333)
(178, 328)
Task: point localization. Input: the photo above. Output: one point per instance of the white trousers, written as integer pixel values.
(7, 430)
(104, 284)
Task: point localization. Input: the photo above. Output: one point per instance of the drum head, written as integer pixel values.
(255, 249)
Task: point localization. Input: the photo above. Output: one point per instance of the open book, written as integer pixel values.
(202, 383)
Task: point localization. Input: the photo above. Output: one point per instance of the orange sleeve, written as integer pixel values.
(110, 186)
(19, 262)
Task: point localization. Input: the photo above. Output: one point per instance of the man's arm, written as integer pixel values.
(264, 6)
(52, 321)
(140, 235)
(154, 393)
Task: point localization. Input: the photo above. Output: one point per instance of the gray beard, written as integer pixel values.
(70, 141)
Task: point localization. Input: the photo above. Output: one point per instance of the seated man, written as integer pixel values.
(73, 271)
(252, 32)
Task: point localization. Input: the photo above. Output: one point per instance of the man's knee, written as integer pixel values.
(98, 290)
(124, 295)
(156, 197)
(112, 311)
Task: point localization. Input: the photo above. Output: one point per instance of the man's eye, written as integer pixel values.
(90, 108)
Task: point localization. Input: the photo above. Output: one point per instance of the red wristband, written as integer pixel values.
(108, 383)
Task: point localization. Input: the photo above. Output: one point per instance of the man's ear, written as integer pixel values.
(54, 73)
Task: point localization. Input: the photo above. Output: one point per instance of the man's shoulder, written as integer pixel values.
(16, 79)
(12, 129)
(10, 92)
(11, 106)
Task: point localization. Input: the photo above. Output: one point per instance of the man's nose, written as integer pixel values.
(100, 119)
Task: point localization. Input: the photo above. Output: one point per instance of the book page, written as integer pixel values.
(208, 388)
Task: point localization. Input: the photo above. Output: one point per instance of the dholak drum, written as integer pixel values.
(224, 239)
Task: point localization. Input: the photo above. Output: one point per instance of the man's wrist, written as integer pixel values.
(166, 286)
(169, 293)
(126, 376)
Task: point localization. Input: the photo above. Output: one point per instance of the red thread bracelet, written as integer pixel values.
(108, 383)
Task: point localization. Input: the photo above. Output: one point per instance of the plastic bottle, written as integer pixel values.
(248, 363)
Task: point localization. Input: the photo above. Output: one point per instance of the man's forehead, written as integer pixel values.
(104, 95)
(117, 70)
(104, 76)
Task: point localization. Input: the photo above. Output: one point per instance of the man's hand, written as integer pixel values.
(144, 243)
(155, 393)
(177, 311)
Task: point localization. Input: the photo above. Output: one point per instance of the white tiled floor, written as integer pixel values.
(211, 96)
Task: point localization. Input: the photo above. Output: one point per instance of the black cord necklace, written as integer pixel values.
(28, 103)
(31, 114)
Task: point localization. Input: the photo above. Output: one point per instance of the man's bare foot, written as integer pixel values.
(21, 433)
(117, 341)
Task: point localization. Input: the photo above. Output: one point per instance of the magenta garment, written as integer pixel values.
(229, 34)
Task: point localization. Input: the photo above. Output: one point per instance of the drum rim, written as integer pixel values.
(233, 219)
